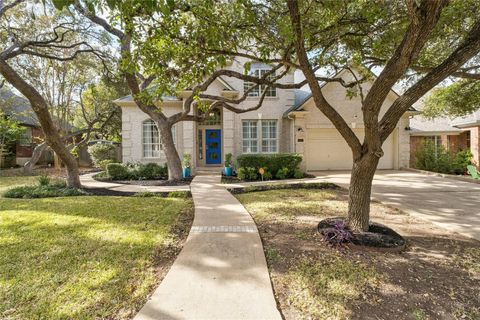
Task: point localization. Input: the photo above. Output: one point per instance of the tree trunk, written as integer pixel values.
(37, 154)
(360, 190)
(40, 107)
(173, 159)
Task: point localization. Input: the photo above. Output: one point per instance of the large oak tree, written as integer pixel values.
(29, 30)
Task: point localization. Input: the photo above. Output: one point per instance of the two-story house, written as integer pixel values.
(288, 121)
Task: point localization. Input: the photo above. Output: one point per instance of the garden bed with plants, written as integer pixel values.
(265, 167)
(430, 157)
(436, 277)
(150, 174)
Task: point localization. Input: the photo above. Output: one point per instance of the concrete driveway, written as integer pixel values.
(451, 204)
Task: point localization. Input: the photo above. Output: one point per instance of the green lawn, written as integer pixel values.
(83, 257)
(9, 182)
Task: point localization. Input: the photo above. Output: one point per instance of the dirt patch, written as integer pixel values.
(436, 277)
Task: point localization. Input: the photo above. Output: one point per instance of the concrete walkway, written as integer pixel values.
(89, 183)
(450, 204)
(221, 272)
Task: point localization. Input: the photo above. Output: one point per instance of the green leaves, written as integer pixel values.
(455, 100)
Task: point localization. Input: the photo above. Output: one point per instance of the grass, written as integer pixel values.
(323, 287)
(295, 202)
(438, 276)
(10, 182)
(83, 257)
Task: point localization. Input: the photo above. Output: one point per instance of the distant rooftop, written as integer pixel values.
(17, 107)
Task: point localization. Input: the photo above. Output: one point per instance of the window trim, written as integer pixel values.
(260, 139)
(257, 92)
(160, 147)
(152, 124)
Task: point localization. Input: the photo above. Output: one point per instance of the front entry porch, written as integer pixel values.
(209, 151)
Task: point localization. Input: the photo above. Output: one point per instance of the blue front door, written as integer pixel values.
(213, 141)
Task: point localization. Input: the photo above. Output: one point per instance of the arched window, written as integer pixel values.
(151, 140)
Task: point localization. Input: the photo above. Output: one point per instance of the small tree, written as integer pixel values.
(10, 132)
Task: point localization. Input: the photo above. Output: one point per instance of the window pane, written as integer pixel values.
(249, 134)
(151, 140)
(269, 136)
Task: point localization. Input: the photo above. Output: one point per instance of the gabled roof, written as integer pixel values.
(302, 96)
(422, 126)
(129, 98)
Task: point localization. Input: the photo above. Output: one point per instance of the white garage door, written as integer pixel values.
(327, 150)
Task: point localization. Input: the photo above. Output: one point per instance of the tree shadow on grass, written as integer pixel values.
(64, 270)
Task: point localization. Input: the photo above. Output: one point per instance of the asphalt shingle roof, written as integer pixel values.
(17, 107)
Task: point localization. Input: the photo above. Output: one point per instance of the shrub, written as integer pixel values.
(242, 173)
(43, 191)
(282, 173)
(252, 173)
(149, 171)
(461, 160)
(438, 159)
(43, 180)
(272, 162)
(248, 173)
(267, 175)
(298, 174)
(102, 152)
(117, 171)
(104, 163)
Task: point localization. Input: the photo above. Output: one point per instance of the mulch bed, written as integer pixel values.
(149, 183)
(182, 182)
(378, 236)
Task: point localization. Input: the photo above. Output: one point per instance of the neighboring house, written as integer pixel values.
(19, 109)
(288, 121)
(454, 135)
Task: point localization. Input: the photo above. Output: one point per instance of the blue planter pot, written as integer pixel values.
(186, 172)
(228, 171)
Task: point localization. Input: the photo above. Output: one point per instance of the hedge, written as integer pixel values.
(271, 162)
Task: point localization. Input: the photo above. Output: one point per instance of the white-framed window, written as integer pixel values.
(250, 136)
(151, 140)
(269, 136)
(436, 141)
(259, 70)
(152, 144)
(256, 141)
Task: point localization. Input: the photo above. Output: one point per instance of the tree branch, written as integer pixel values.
(320, 102)
(467, 50)
(5, 8)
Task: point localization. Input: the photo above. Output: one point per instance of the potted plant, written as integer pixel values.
(228, 165)
(186, 165)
